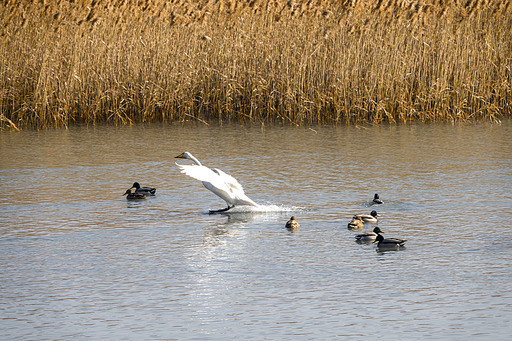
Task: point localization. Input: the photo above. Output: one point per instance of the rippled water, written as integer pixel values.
(79, 261)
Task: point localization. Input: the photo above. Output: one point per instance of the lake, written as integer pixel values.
(80, 261)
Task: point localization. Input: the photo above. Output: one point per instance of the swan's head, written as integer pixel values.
(187, 155)
(374, 214)
(136, 185)
(184, 155)
(377, 230)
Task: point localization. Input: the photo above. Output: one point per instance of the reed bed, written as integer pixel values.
(350, 69)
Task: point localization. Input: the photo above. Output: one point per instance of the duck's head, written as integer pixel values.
(292, 218)
(374, 214)
(136, 185)
(377, 230)
(128, 191)
(376, 196)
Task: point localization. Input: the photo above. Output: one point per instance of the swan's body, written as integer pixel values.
(355, 224)
(388, 242)
(369, 236)
(144, 190)
(134, 195)
(377, 200)
(292, 224)
(368, 218)
(223, 185)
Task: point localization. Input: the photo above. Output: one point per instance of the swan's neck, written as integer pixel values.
(196, 161)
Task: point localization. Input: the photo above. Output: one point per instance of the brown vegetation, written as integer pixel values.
(298, 62)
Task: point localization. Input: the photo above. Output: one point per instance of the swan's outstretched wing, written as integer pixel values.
(200, 173)
(215, 176)
(212, 179)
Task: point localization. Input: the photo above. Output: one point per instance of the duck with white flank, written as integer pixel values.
(369, 236)
(369, 218)
(377, 200)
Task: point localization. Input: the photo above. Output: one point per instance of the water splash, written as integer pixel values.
(269, 208)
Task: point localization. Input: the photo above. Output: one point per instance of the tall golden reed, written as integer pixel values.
(358, 69)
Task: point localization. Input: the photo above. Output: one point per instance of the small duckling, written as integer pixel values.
(369, 236)
(292, 224)
(369, 218)
(377, 200)
(388, 242)
(144, 190)
(356, 223)
(134, 195)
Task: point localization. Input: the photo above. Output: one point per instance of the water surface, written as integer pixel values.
(80, 261)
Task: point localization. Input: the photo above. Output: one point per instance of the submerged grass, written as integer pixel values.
(347, 69)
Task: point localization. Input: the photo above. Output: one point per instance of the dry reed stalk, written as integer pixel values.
(362, 69)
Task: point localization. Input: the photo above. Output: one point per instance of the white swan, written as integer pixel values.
(220, 183)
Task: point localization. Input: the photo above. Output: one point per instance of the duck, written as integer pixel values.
(143, 190)
(388, 242)
(292, 224)
(369, 236)
(134, 195)
(368, 218)
(356, 223)
(377, 200)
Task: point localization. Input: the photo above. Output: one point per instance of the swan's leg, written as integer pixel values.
(221, 210)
